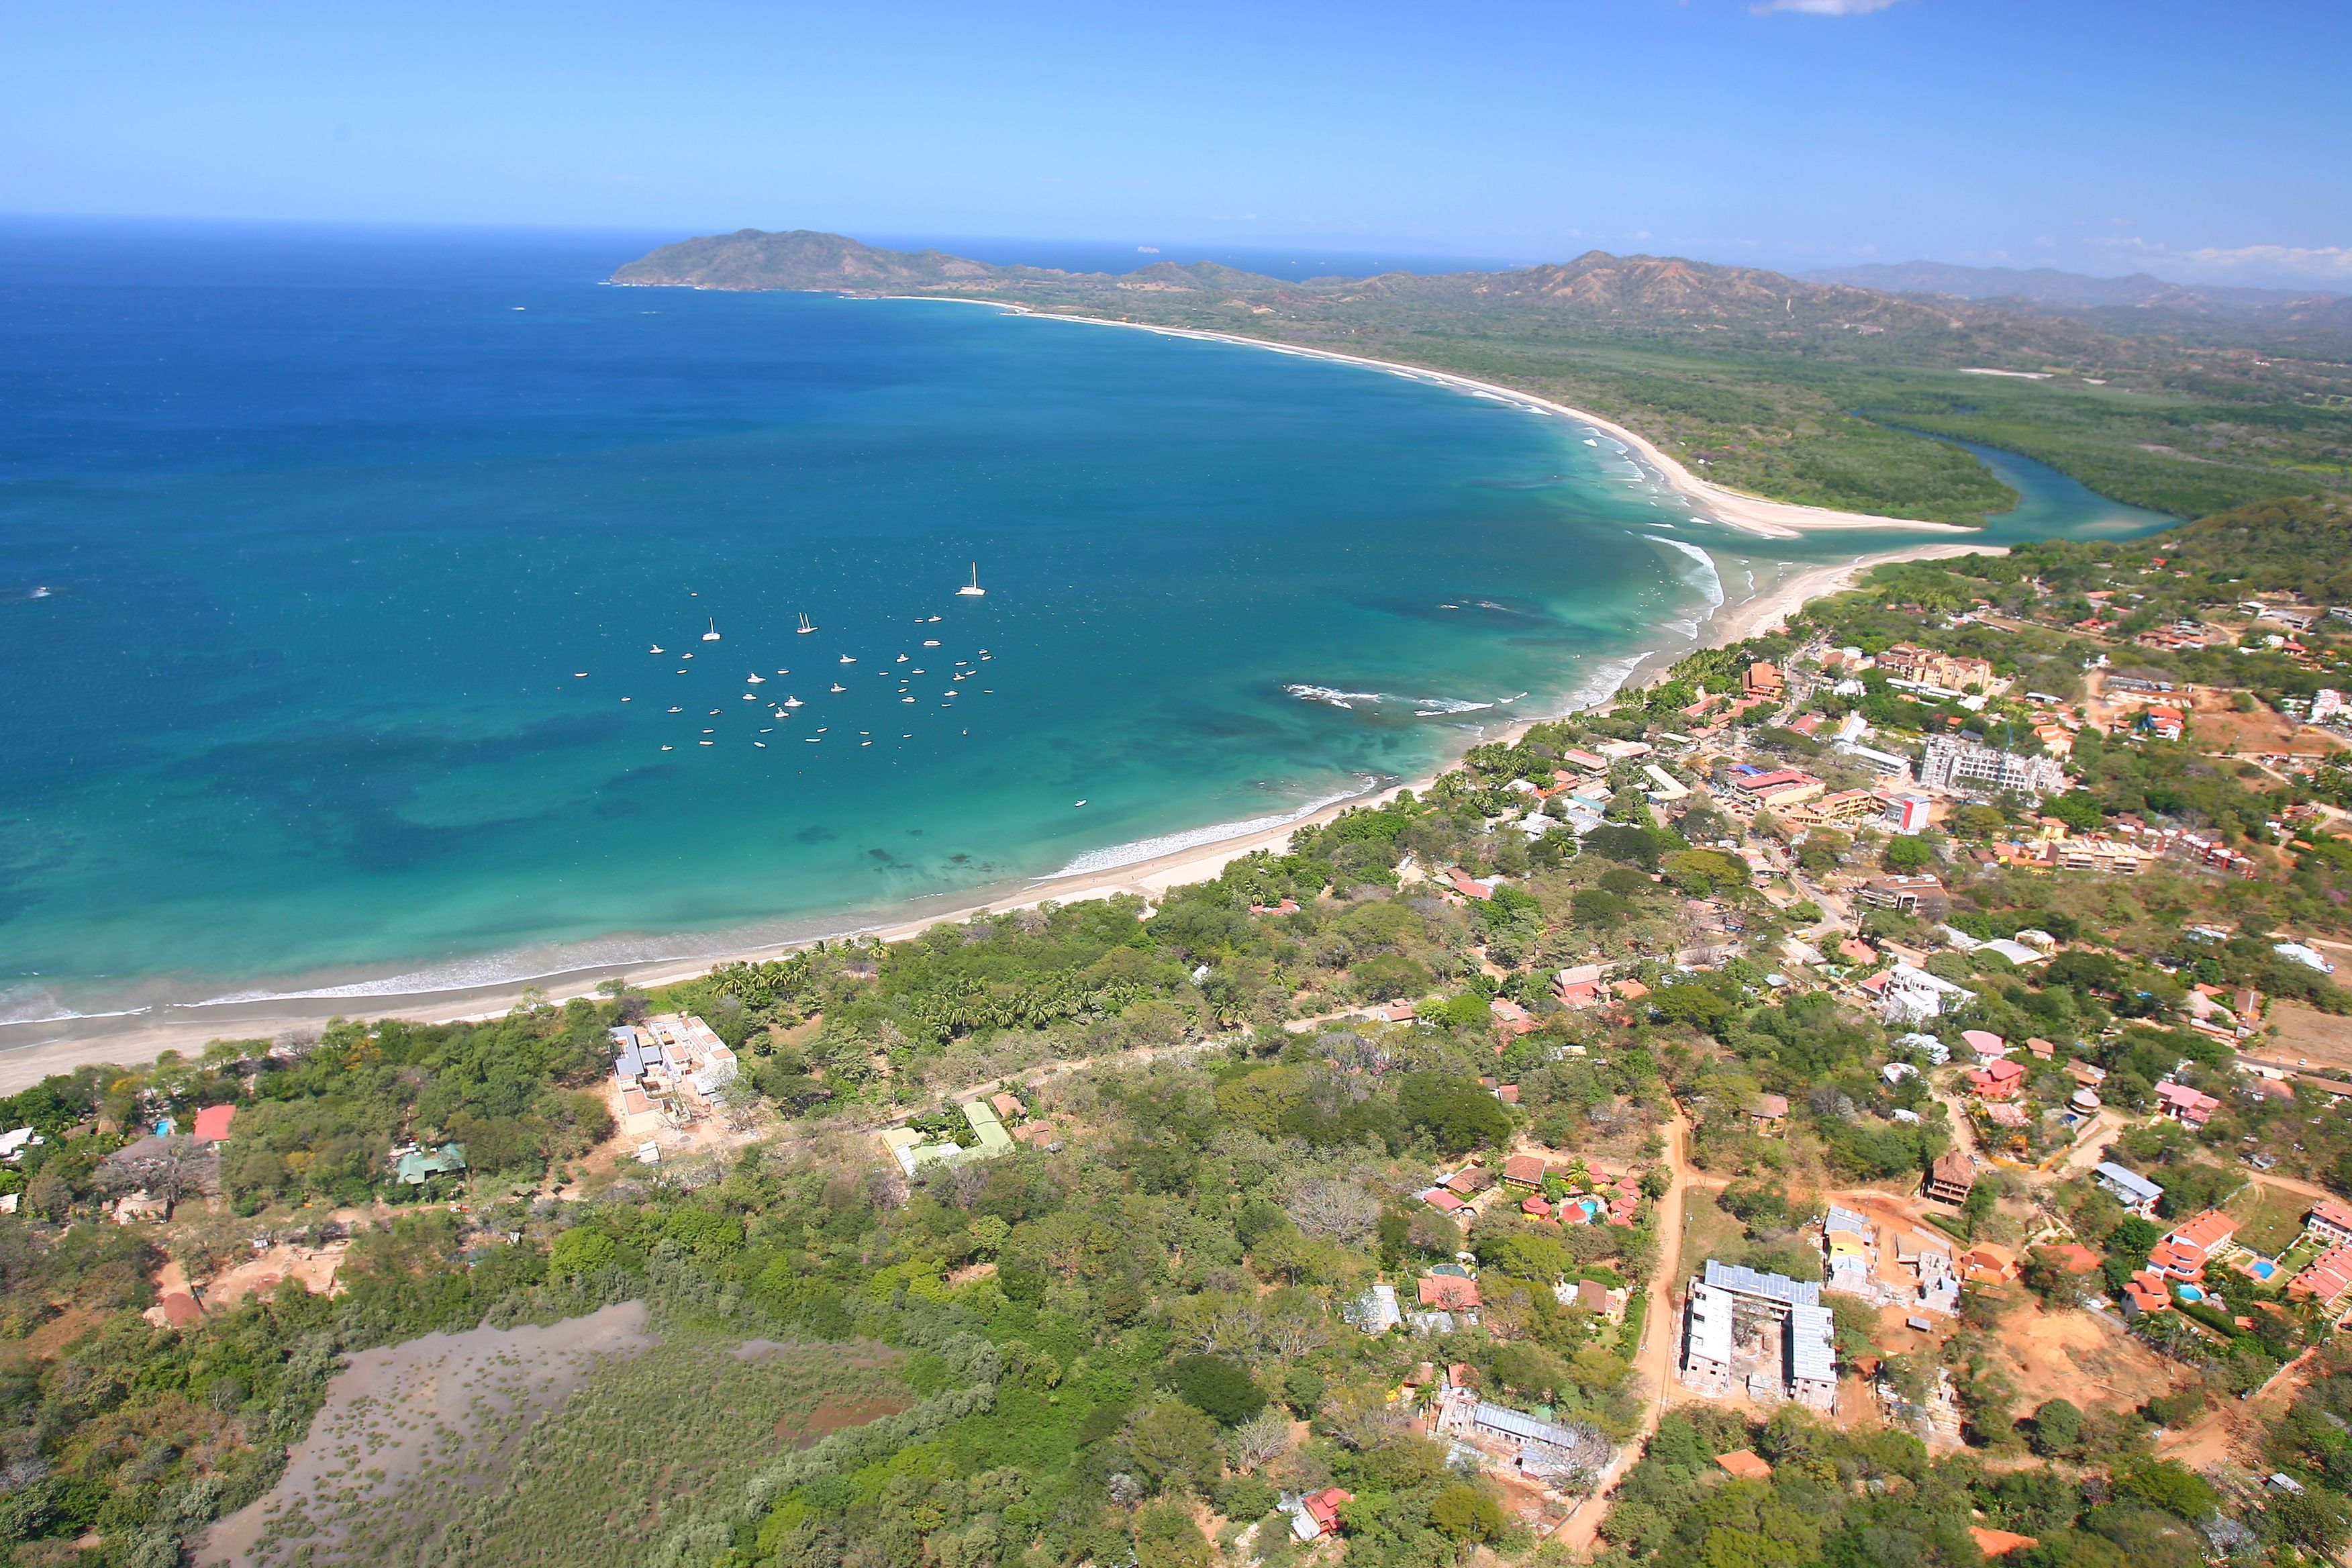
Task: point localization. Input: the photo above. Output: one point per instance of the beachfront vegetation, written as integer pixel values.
(1128, 1340)
(1799, 391)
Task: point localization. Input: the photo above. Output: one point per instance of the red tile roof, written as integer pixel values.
(1999, 1542)
(1445, 1201)
(2204, 1233)
(1448, 1292)
(212, 1123)
(1527, 1170)
(1746, 1464)
(2327, 1278)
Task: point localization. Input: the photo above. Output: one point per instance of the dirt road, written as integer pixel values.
(1654, 1358)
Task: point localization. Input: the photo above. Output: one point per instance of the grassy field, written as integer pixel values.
(575, 1444)
(2268, 1218)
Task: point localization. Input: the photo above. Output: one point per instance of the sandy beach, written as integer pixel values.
(125, 1041)
(1733, 509)
(31, 1050)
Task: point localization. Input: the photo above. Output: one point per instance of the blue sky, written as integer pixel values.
(2205, 141)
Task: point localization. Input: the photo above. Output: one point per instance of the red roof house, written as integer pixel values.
(212, 1124)
(2331, 1219)
(1524, 1171)
(1321, 1512)
(1999, 1080)
(1442, 1201)
(2184, 1254)
(2184, 1104)
(1448, 1292)
(2327, 1276)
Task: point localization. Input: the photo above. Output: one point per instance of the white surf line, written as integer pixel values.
(1789, 520)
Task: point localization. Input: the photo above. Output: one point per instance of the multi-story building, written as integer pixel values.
(1951, 672)
(1953, 763)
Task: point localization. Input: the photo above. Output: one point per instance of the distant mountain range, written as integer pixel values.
(2067, 291)
(1925, 312)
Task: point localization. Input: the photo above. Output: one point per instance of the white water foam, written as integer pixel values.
(32, 1005)
(1707, 577)
(1327, 695)
(1117, 855)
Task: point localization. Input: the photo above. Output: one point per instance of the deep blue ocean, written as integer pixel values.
(332, 563)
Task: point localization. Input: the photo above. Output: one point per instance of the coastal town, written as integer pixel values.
(1908, 1041)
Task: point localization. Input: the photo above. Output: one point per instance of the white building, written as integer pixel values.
(1906, 812)
(1914, 996)
(1953, 763)
(1765, 1331)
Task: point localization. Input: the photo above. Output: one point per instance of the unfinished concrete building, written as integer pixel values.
(1765, 1335)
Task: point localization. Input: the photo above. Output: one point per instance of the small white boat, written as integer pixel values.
(685, 656)
(669, 748)
(930, 642)
(847, 660)
(973, 590)
(987, 655)
(900, 659)
(579, 674)
(677, 710)
(756, 679)
(806, 625)
(624, 699)
(750, 697)
(865, 742)
(1082, 803)
(706, 742)
(839, 687)
(712, 634)
(656, 649)
(975, 575)
(761, 744)
(810, 739)
(905, 700)
(791, 702)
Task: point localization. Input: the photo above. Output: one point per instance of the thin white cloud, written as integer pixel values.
(2325, 265)
(1822, 8)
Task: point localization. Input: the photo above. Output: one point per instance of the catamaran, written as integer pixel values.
(807, 626)
(712, 634)
(973, 590)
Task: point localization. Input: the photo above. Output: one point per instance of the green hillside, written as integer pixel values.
(1757, 379)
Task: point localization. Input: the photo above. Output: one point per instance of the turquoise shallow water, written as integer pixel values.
(327, 563)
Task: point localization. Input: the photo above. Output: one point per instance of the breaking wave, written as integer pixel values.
(1117, 855)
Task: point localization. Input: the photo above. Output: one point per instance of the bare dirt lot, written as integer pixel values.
(2309, 1038)
(455, 1401)
(2076, 1356)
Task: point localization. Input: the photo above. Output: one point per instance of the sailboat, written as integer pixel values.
(712, 634)
(973, 590)
(806, 626)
